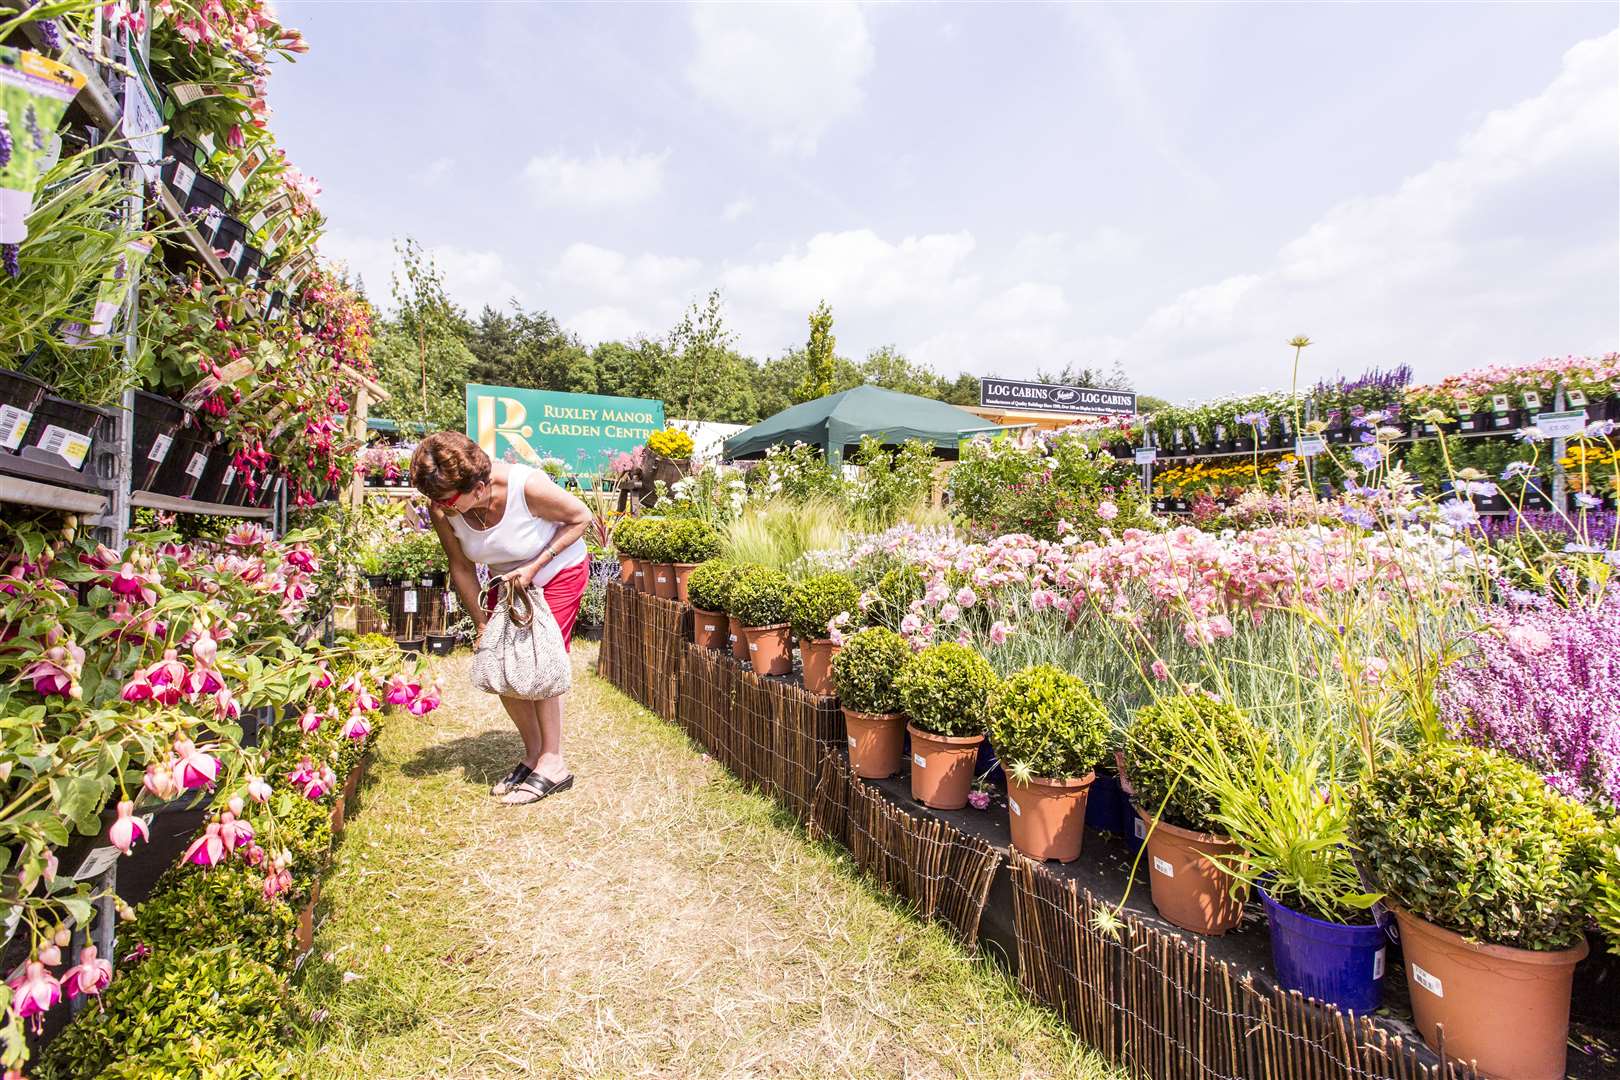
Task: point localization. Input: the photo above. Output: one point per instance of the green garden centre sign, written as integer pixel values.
(583, 430)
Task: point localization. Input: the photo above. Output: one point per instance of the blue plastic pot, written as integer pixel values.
(1136, 830)
(1328, 961)
(1105, 806)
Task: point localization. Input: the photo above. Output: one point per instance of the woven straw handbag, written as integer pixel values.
(521, 654)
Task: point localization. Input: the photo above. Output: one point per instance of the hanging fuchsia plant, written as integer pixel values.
(1540, 686)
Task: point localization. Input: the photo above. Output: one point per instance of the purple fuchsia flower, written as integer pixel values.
(400, 690)
(57, 673)
(1540, 686)
(355, 727)
(209, 849)
(425, 702)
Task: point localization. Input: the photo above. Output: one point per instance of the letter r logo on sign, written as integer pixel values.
(511, 427)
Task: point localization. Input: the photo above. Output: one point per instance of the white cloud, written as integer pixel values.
(472, 277)
(1028, 301)
(737, 209)
(598, 182)
(606, 323)
(858, 270)
(603, 272)
(789, 70)
(1462, 264)
(437, 170)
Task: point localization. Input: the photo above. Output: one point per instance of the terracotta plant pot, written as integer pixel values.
(663, 580)
(683, 570)
(627, 570)
(1190, 889)
(942, 768)
(875, 742)
(738, 638)
(337, 814)
(770, 648)
(711, 629)
(306, 920)
(817, 654)
(641, 576)
(1048, 817)
(1506, 1008)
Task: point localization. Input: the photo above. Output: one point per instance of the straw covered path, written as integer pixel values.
(654, 921)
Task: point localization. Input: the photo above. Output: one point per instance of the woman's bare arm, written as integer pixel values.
(549, 502)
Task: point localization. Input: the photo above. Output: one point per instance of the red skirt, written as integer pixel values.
(563, 593)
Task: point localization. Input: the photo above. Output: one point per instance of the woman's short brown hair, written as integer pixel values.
(448, 464)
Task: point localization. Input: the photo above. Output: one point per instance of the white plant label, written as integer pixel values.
(1499, 402)
(1532, 400)
(160, 449)
(852, 742)
(408, 601)
(753, 646)
(1559, 425)
(662, 579)
(1309, 445)
(1139, 827)
(917, 759)
(228, 479)
(1147, 455)
(1163, 867)
(1378, 965)
(1428, 982)
(450, 602)
(96, 863)
(13, 426)
(195, 467)
(710, 628)
(1575, 399)
(1012, 804)
(71, 446)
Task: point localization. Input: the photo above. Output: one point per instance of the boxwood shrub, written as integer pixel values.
(1047, 723)
(865, 670)
(1477, 843)
(692, 541)
(816, 601)
(945, 689)
(709, 587)
(1155, 756)
(759, 596)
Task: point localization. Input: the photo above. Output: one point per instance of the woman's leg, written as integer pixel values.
(526, 718)
(550, 763)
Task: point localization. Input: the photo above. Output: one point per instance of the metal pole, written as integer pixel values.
(1560, 483)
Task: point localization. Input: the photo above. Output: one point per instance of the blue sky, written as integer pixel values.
(992, 188)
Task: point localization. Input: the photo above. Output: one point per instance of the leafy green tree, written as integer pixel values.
(420, 353)
(819, 356)
(631, 368)
(1094, 378)
(708, 380)
(887, 367)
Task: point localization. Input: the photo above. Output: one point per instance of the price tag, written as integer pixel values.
(71, 446)
(228, 479)
(1147, 455)
(195, 467)
(184, 177)
(1378, 965)
(1558, 425)
(1309, 445)
(753, 646)
(1012, 804)
(1163, 867)
(13, 426)
(160, 449)
(917, 760)
(852, 742)
(96, 863)
(408, 601)
(1428, 982)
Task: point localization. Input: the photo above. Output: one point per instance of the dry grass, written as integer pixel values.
(653, 921)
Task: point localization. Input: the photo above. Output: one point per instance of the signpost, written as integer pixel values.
(1055, 398)
(582, 430)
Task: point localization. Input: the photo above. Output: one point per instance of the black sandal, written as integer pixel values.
(520, 772)
(534, 787)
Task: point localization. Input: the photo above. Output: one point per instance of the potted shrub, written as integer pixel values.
(1049, 732)
(759, 597)
(1488, 871)
(1190, 884)
(864, 671)
(945, 690)
(627, 544)
(693, 542)
(708, 589)
(815, 603)
(736, 635)
(657, 539)
(1278, 801)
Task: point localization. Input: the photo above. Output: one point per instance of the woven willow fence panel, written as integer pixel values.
(1159, 1006)
(644, 647)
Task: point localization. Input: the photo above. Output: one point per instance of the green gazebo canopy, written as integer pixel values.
(837, 423)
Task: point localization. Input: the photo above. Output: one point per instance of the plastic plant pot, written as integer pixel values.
(20, 396)
(711, 629)
(220, 479)
(247, 267)
(157, 420)
(230, 240)
(180, 172)
(1105, 807)
(876, 741)
(1332, 962)
(441, 644)
(770, 648)
(942, 767)
(183, 469)
(1047, 817)
(663, 580)
(205, 206)
(738, 638)
(68, 433)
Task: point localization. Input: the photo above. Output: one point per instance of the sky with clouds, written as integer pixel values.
(992, 188)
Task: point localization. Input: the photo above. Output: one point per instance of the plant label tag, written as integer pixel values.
(1575, 399)
(1499, 402)
(1428, 982)
(852, 742)
(710, 628)
(1532, 400)
(1012, 804)
(160, 449)
(662, 579)
(1147, 455)
(97, 862)
(1558, 425)
(1309, 445)
(195, 467)
(408, 601)
(228, 479)
(1465, 423)
(184, 177)
(1378, 965)
(71, 446)
(917, 760)
(451, 603)
(1162, 867)
(639, 573)
(1139, 827)
(13, 426)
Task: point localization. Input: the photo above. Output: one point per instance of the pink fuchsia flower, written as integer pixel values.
(401, 691)
(355, 727)
(161, 781)
(162, 682)
(203, 680)
(1107, 510)
(234, 832)
(1000, 632)
(196, 768)
(34, 993)
(310, 721)
(247, 535)
(277, 880)
(425, 702)
(123, 833)
(125, 581)
(209, 849)
(205, 649)
(258, 790)
(57, 674)
(226, 707)
(363, 699)
(89, 976)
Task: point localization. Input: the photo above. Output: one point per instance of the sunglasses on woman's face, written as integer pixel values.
(449, 505)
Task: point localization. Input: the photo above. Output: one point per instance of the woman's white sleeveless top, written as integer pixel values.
(518, 538)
